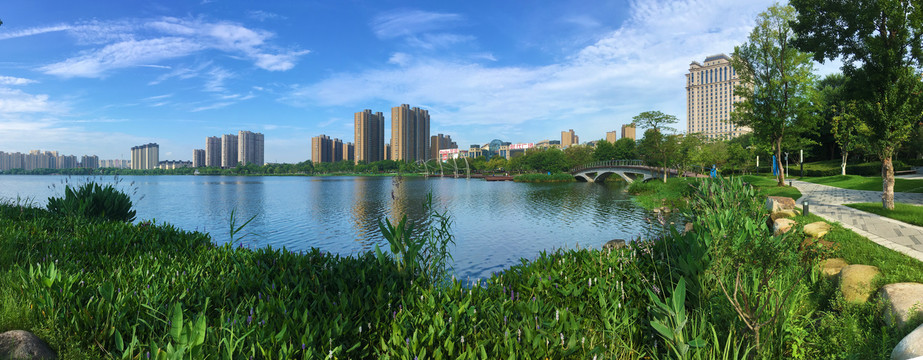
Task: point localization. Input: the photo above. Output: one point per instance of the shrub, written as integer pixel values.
(93, 201)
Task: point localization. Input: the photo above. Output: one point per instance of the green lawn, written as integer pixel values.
(872, 183)
(910, 214)
(767, 185)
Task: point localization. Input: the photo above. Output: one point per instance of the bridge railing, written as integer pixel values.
(608, 163)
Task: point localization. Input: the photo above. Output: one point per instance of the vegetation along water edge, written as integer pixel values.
(98, 288)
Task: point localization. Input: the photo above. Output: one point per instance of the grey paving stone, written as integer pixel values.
(827, 201)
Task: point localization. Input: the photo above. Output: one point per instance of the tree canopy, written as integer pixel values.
(776, 81)
(881, 45)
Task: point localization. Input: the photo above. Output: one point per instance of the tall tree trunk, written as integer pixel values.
(843, 164)
(887, 179)
(781, 176)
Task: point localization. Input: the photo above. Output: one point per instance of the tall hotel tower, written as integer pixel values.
(369, 136)
(710, 98)
(409, 133)
(250, 147)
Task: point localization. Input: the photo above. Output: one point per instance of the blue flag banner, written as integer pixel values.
(775, 168)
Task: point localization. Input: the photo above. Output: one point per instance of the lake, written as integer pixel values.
(495, 223)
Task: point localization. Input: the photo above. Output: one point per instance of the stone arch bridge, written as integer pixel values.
(630, 170)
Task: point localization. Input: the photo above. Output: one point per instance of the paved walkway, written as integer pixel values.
(827, 201)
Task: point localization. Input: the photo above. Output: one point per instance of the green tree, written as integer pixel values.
(604, 151)
(578, 155)
(655, 146)
(849, 131)
(655, 120)
(777, 81)
(688, 151)
(625, 149)
(880, 43)
(659, 150)
(547, 160)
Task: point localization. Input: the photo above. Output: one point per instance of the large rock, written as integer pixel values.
(856, 282)
(832, 267)
(614, 244)
(905, 300)
(817, 229)
(781, 226)
(911, 347)
(783, 214)
(776, 203)
(19, 344)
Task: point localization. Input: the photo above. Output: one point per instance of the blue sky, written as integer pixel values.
(100, 77)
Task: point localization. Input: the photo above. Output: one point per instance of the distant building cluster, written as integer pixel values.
(410, 139)
(37, 159)
(229, 150)
(710, 98)
(325, 149)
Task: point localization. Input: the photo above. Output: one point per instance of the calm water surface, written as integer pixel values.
(495, 223)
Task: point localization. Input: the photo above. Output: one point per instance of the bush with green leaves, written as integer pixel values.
(93, 201)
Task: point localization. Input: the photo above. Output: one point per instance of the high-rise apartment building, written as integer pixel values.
(145, 157)
(611, 136)
(628, 131)
(369, 131)
(349, 152)
(213, 151)
(229, 151)
(409, 133)
(89, 162)
(250, 148)
(440, 142)
(387, 152)
(569, 138)
(710, 98)
(198, 158)
(321, 149)
(337, 153)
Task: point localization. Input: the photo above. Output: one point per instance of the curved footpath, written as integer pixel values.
(827, 202)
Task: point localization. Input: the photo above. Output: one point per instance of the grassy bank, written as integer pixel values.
(910, 214)
(98, 289)
(652, 194)
(871, 183)
(539, 178)
(768, 186)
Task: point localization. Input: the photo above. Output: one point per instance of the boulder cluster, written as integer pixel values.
(857, 282)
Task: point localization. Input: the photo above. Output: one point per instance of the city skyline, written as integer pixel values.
(103, 77)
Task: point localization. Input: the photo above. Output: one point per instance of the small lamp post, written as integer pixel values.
(804, 206)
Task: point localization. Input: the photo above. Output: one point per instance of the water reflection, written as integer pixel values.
(495, 223)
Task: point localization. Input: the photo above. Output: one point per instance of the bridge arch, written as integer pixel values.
(629, 170)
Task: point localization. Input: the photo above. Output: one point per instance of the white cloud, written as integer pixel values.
(409, 22)
(121, 55)
(438, 41)
(68, 137)
(637, 67)
(12, 80)
(216, 77)
(213, 106)
(261, 15)
(139, 42)
(33, 31)
(17, 101)
(399, 58)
